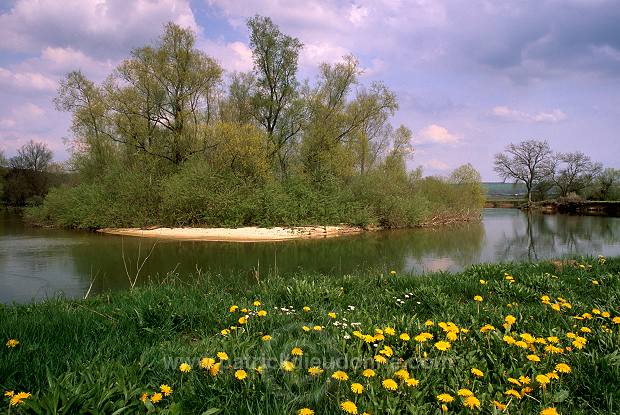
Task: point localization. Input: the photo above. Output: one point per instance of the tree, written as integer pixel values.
(607, 185)
(573, 172)
(3, 160)
(275, 87)
(528, 162)
(33, 156)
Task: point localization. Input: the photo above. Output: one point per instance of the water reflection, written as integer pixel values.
(39, 262)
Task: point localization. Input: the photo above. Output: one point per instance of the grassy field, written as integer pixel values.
(512, 338)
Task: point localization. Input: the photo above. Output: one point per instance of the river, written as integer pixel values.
(36, 263)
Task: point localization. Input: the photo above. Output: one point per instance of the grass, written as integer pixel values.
(102, 354)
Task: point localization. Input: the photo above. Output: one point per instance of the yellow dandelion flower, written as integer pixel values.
(477, 372)
(206, 362)
(510, 319)
(443, 346)
(315, 371)
(266, 338)
(11, 343)
(317, 328)
(305, 411)
(412, 382)
(404, 337)
(357, 388)
(287, 366)
(165, 389)
(258, 369)
(297, 352)
(387, 351)
(487, 328)
(549, 411)
(465, 393)
(390, 384)
(156, 397)
(262, 313)
(340, 375)
(533, 358)
(429, 323)
(185, 367)
(513, 393)
(514, 381)
(222, 355)
(305, 328)
(9, 394)
(368, 373)
(144, 397)
(402, 374)
(553, 375)
(389, 331)
(215, 369)
(349, 407)
(542, 380)
(243, 320)
(331, 314)
(478, 298)
(241, 374)
(509, 339)
(233, 308)
(525, 380)
(499, 405)
(256, 303)
(445, 398)
(483, 282)
(380, 359)
(471, 402)
(563, 368)
(225, 332)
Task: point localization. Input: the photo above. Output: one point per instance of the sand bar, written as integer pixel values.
(247, 234)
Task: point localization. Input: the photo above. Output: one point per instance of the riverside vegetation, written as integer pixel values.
(532, 338)
(167, 139)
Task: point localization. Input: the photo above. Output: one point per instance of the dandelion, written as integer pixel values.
(533, 358)
(241, 374)
(380, 359)
(287, 366)
(225, 332)
(487, 328)
(340, 375)
(471, 402)
(156, 397)
(429, 323)
(445, 398)
(465, 393)
(513, 393)
(332, 314)
(306, 309)
(305, 411)
(11, 343)
(402, 374)
(315, 371)
(510, 319)
(549, 411)
(258, 369)
(390, 384)
(349, 407)
(483, 282)
(17, 398)
(305, 328)
(9, 394)
(243, 320)
(389, 331)
(165, 389)
(478, 298)
(499, 405)
(207, 362)
(297, 352)
(404, 337)
(563, 368)
(262, 313)
(392, 273)
(256, 303)
(443, 346)
(144, 397)
(543, 380)
(422, 337)
(412, 382)
(317, 328)
(477, 372)
(525, 380)
(357, 388)
(233, 308)
(215, 369)
(184, 367)
(222, 355)
(266, 338)
(368, 373)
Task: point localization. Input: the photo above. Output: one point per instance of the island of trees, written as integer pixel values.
(170, 139)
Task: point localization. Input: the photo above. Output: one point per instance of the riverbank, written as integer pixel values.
(579, 207)
(538, 336)
(245, 234)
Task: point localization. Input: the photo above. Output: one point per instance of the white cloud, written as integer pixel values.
(435, 164)
(508, 114)
(435, 133)
(234, 56)
(357, 14)
(26, 80)
(323, 52)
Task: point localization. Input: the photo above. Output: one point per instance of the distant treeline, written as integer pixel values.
(167, 139)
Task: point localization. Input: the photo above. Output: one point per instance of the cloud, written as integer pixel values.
(437, 134)
(32, 81)
(357, 14)
(233, 56)
(435, 164)
(508, 114)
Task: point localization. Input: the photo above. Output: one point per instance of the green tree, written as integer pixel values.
(573, 172)
(33, 156)
(528, 162)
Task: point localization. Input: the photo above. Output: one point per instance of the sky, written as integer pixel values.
(470, 76)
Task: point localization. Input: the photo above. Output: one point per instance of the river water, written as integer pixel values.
(36, 263)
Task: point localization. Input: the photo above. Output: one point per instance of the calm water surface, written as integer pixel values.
(37, 263)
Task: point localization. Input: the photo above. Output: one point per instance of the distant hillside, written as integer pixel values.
(499, 190)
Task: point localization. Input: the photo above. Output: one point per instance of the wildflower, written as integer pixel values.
(315, 371)
(306, 309)
(499, 405)
(514, 381)
(368, 373)
(297, 352)
(579, 342)
(9, 394)
(387, 351)
(553, 349)
(165, 389)
(317, 328)
(524, 380)
(451, 336)
(184, 367)
(233, 308)
(429, 323)
(392, 273)
(266, 338)
(543, 380)
(241, 374)
(402, 374)
(258, 369)
(243, 320)
(305, 411)
(262, 313)
(486, 328)
(349, 407)
(390, 384)
(256, 303)
(443, 346)
(17, 398)
(483, 282)
(553, 375)
(422, 337)
(389, 331)
(445, 398)
(206, 362)
(380, 359)
(513, 393)
(521, 344)
(595, 282)
(225, 332)
(222, 355)
(332, 315)
(340, 375)
(471, 402)
(357, 388)
(305, 328)
(563, 368)
(533, 358)
(404, 337)
(465, 393)
(11, 343)
(287, 366)
(509, 339)
(215, 369)
(510, 319)
(144, 397)
(444, 408)
(477, 372)
(605, 314)
(244, 310)
(549, 411)
(156, 397)
(412, 382)
(478, 298)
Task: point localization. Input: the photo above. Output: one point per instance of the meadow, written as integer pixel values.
(530, 338)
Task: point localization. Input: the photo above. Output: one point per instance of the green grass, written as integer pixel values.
(99, 355)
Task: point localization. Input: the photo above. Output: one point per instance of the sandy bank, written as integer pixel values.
(248, 234)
